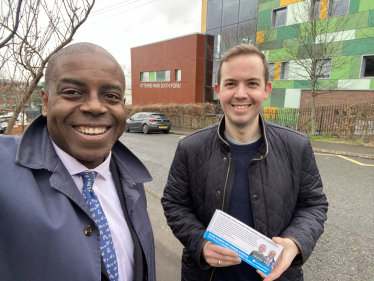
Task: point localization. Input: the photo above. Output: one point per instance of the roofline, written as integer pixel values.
(196, 33)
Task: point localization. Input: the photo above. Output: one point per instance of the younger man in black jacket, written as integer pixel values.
(263, 174)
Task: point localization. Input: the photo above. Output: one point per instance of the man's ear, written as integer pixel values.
(267, 91)
(216, 89)
(45, 96)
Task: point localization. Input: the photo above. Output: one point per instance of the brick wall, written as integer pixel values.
(333, 98)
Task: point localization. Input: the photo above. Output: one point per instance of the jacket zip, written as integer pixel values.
(223, 202)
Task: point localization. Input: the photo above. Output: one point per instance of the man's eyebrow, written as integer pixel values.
(72, 81)
(112, 86)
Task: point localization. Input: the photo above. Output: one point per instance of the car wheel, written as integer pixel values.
(145, 129)
(127, 129)
(166, 132)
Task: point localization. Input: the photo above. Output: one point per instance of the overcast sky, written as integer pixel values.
(131, 23)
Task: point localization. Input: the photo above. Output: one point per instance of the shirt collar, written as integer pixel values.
(74, 167)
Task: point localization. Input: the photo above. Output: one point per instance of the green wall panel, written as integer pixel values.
(364, 32)
(283, 84)
(267, 102)
(277, 97)
(327, 84)
(264, 20)
(271, 45)
(354, 6)
(294, 42)
(358, 47)
(334, 49)
(355, 67)
(270, 35)
(283, 54)
(288, 32)
(366, 5)
(302, 84)
(328, 25)
(269, 5)
(372, 84)
(358, 20)
(341, 67)
(371, 19)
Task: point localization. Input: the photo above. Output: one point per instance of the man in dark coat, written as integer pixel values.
(72, 201)
(263, 174)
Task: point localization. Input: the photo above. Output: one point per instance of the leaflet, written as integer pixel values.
(254, 248)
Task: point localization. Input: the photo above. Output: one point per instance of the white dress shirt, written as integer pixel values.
(105, 190)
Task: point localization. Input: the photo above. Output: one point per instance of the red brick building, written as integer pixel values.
(170, 71)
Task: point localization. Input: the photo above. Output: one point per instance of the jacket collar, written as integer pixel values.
(36, 151)
(264, 149)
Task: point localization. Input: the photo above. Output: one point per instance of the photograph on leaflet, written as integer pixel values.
(252, 247)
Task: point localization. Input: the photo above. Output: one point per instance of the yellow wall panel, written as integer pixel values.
(204, 12)
(288, 2)
(323, 11)
(260, 37)
(277, 70)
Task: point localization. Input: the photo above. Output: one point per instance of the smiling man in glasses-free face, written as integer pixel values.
(71, 185)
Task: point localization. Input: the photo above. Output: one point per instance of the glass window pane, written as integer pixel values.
(316, 8)
(323, 68)
(279, 17)
(247, 32)
(167, 75)
(248, 10)
(338, 7)
(230, 13)
(178, 75)
(229, 38)
(271, 70)
(160, 75)
(215, 67)
(214, 14)
(217, 42)
(369, 66)
(284, 70)
(145, 76)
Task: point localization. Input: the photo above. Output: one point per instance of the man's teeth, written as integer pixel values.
(91, 131)
(241, 106)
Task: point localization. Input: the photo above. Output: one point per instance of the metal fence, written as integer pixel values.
(343, 121)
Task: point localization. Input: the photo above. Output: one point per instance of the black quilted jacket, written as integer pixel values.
(285, 187)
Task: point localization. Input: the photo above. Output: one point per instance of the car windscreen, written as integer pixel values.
(158, 116)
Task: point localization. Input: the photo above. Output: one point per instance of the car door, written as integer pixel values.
(140, 121)
(131, 121)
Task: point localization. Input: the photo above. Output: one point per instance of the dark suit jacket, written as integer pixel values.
(43, 215)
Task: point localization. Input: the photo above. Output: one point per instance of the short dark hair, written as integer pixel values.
(243, 50)
(77, 48)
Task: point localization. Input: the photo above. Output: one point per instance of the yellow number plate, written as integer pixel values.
(162, 127)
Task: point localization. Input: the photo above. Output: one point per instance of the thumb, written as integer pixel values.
(277, 240)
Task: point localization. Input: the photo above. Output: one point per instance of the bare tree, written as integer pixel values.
(320, 30)
(127, 71)
(6, 18)
(45, 27)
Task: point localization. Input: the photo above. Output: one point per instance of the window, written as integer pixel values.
(279, 17)
(271, 70)
(230, 13)
(6, 105)
(315, 10)
(323, 68)
(248, 10)
(285, 67)
(144, 76)
(338, 7)
(214, 15)
(367, 66)
(178, 75)
(152, 76)
(163, 75)
(15, 96)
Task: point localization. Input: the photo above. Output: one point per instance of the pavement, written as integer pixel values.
(169, 249)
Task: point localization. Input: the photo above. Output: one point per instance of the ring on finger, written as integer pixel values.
(219, 262)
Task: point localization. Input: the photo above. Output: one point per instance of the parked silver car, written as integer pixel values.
(148, 122)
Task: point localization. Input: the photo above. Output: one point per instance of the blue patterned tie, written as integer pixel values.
(106, 244)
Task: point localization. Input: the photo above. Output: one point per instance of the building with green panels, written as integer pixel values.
(335, 37)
